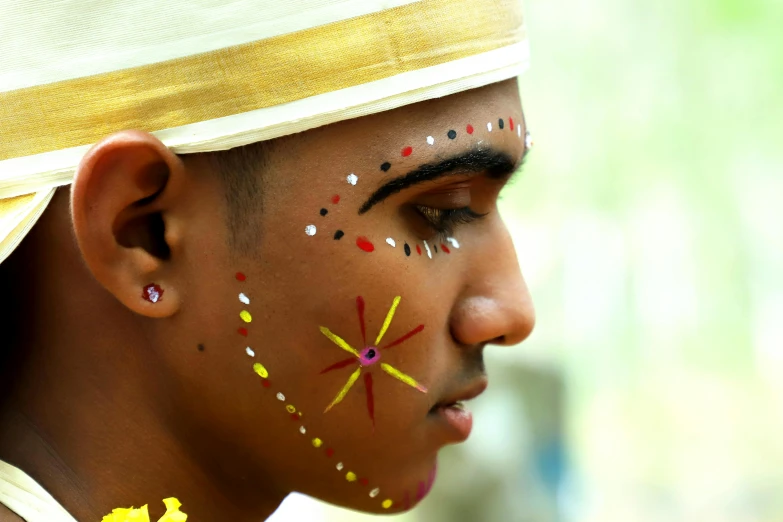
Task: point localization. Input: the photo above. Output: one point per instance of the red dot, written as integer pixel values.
(267, 384)
(511, 123)
(418, 249)
(242, 331)
(329, 452)
(445, 248)
(469, 129)
(294, 417)
(240, 276)
(336, 199)
(407, 151)
(364, 482)
(364, 243)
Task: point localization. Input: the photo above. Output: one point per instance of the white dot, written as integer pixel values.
(339, 466)
(430, 140)
(245, 299)
(489, 126)
(302, 430)
(250, 352)
(352, 179)
(280, 396)
(374, 492)
(310, 230)
(391, 242)
(453, 242)
(519, 131)
(429, 252)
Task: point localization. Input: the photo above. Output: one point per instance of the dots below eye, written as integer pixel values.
(452, 134)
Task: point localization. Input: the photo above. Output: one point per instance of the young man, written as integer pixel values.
(306, 311)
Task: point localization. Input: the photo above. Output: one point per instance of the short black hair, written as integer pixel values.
(241, 171)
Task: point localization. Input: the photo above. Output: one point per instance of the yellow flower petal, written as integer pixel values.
(128, 515)
(173, 514)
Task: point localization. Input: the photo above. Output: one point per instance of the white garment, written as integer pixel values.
(25, 497)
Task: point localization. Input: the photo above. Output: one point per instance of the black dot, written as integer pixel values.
(200, 347)
(435, 247)
(386, 166)
(500, 123)
(339, 234)
(452, 134)
(324, 211)
(407, 250)
(371, 354)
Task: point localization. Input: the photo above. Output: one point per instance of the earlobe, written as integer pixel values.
(122, 199)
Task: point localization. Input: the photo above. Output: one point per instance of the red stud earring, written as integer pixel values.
(152, 293)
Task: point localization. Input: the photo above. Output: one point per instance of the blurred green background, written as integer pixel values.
(648, 225)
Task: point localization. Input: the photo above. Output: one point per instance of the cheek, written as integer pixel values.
(348, 374)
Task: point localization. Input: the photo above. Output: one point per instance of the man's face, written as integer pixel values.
(329, 360)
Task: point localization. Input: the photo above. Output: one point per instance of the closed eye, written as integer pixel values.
(444, 221)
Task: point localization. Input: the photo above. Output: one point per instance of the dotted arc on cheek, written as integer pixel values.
(370, 355)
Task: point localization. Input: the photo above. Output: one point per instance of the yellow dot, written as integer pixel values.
(260, 370)
(387, 504)
(245, 315)
(290, 408)
(317, 442)
(350, 476)
(300, 413)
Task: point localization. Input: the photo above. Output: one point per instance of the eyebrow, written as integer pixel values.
(494, 163)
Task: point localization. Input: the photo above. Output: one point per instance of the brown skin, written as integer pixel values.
(113, 404)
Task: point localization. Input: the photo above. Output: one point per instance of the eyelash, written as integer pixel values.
(443, 221)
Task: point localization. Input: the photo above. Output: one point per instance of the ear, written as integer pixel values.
(122, 199)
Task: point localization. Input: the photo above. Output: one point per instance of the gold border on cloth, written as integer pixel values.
(252, 76)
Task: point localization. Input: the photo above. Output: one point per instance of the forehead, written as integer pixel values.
(414, 133)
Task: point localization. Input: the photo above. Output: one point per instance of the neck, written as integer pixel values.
(85, 413)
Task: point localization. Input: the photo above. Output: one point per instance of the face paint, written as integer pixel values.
(152, 293)
(200, 347)
(364, 243)
(427, 247)
(368, 357)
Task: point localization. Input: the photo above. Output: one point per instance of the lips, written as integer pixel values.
(452, 414)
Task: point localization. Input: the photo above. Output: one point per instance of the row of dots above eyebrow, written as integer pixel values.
(452, 135)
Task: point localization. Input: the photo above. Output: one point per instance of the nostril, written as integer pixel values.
(499, 340)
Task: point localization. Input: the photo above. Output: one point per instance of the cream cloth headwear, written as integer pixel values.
(212, 75)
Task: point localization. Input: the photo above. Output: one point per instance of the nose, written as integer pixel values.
(495, 306)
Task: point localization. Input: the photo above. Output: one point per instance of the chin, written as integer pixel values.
(393, 497)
